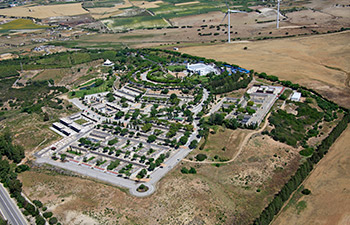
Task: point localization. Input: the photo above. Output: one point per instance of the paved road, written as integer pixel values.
(9, 209)
(130, 184)
(199, 107)
(216, 107)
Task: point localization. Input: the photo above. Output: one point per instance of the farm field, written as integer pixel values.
(20, 24)
(45, 11)
(329, 200)
(296, 59)
(136, 22)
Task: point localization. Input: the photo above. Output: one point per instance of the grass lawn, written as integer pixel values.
(80, 121)
(176, 68)
(106, 86)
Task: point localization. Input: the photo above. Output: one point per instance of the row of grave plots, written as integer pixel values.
(161, 138)
(126, 150)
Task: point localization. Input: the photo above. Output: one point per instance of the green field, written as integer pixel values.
(106, 86)
(99, 4)
(21, 24)
(169, 11)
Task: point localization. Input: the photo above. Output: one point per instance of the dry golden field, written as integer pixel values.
(44, 11)
(329, 201)
(319, 62)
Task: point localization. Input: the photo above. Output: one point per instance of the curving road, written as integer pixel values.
(10, 210)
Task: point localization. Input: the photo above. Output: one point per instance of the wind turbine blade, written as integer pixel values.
(226, 4)
(224, 18)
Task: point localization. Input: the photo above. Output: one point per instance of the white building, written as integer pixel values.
(296, 96)
(108, 63)
(201, 69)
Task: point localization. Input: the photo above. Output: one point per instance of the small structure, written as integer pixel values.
(296, 97)
(108, 63)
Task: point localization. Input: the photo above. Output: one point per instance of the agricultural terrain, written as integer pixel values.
(328, 202)
(298, 60)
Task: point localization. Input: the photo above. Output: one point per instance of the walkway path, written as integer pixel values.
(242, 144)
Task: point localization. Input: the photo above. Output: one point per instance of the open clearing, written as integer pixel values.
(329, 201)
(46, 11)
(299, 60)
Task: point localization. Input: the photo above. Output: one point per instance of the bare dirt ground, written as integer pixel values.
(311, 61)
(329, 201)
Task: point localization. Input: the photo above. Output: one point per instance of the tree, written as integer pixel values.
(47, 214)
(192, 170)
(306, 191)
(201, 157)
(38, 203)
(142, 174)
(53, 220)
(46, 117)
(63, 157)
(31, 209)
(22, 168)
(39, 220)
(147, 127)
(165, 91)
(216, 119)
(151, 138)
(193, 144)
(183, 140)
(184, 170)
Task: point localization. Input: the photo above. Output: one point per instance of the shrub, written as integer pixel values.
(38, 203)
(201, 157)
(47, 214)
(306, 152)
(306, 191)
(53, 220)
(192, 170)
(184, 170)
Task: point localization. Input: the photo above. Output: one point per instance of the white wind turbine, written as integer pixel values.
(229, 20)
(278, 14)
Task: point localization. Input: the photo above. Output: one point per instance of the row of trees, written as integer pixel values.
(8, 176)
(304, 169)
(229, 83)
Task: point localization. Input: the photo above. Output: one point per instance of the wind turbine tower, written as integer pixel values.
(229, 11)
(278, 14)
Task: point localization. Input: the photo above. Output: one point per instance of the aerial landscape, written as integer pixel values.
(174, 112)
